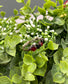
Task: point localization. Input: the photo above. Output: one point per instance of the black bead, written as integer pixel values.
(38, 46)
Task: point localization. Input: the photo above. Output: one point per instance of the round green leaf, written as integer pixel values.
(64, 67)
(52, 46)
(58, 78)
(28, 59)
(29, 77)
(65, 52)
(5, 80)
(16, 78)
(32, 67)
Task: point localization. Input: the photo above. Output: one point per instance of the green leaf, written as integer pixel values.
(64, 67)
(11, 51)
(15, 12)
(29, 77)
(20, 1)
(52, 46)
(28, 2)
(5, 80)
(2, 13)
(41, 71)
(1, 6)
(65, 52)
(61, 2)
(16, 78)
(63, 44)
(23, 30)
(4, 58)
(49, 79)
(58, 55)
(58, 78)
(32, 67)
(59, 21)
(48, 4)
(41, 59)
(28, 59)
(42, 11)
(14, 70)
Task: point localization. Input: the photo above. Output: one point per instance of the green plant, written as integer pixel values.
(24, 57)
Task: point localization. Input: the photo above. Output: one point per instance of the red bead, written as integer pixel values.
(33, 48)
(65, 3)
(41, 43)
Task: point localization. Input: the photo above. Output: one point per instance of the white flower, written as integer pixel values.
(21, 40)
(67, 3)
(27, 35)
(46, 39)
(2, 47)
(4, 28)
(46, 33)
(31, 22)
(28, 28)
(7, 21)
(46, 30)
(17, 31)
(40, 30)
(36, 33)
(48, 27)
(49, 18)
(34, 43)
(37, 29)
(0, 27)
(20, 35)
(27, 25)
(32, 33)
(15, 24)
(5, 18)
(11, 33)
(15, 28)
(46, 12)
(3, 33)
(51, 30)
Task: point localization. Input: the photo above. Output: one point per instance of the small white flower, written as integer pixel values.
(15, 24)
(40, 30)
(27, 35)
(20, 35)
(46, 12)
(46, 33)
(48, 27)
(7, 21)
(36, 33)
(27, 25)
(15, 28)
(4, 29)
(2, 47)
(17, 31)
(34, 43)
(3, 33)
(46, 30)
(0, 27)
(21, 40)
(49, 18)
(32, 33)
(67, 3)
(5, 18)
(10, 21)
(51, 30)
(46, 39)
(31, 22)
(37, 29)
(11, 33)
(28, 28)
